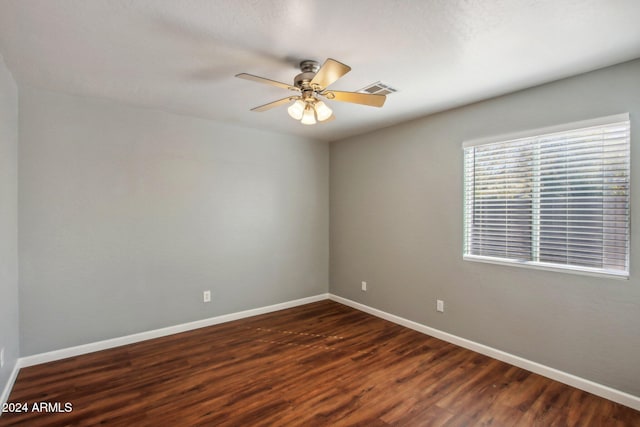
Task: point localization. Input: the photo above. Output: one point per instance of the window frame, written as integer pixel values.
(539, 265)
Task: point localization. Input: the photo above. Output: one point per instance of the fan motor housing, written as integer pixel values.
(302, 80)
(309, 66)
(309, 69)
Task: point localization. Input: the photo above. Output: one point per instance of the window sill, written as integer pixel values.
(585, 271)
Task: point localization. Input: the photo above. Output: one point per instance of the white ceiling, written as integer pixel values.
(181, 55)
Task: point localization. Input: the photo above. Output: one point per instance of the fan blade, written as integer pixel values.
(330, 71)
(266, 81)
(273, 104)
(370, 99)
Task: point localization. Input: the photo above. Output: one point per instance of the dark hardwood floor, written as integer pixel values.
(322, 364)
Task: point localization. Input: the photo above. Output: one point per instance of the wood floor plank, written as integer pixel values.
(322, 364)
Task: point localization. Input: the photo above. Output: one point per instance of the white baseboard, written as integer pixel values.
(555, 374)
(9, 385)
(546, 371)
(51, 356)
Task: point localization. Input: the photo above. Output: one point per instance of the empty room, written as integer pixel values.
(319, 213)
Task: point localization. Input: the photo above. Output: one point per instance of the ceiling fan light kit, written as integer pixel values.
(312, 83)
(309, 110)
(296, 110)
(322, 111)
(309, 116)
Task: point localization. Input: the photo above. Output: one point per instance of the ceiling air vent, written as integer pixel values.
(378, 88)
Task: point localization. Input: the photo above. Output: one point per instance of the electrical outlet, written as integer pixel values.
(206, 296)
(2, 357)
(440, 305)
(364, 286)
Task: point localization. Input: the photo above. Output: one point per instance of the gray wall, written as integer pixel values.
(396, 222)
(8, 222)
(127, 215)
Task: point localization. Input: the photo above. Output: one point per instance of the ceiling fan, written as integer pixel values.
(311, 84)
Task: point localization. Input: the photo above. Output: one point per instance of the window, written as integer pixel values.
(553, 198)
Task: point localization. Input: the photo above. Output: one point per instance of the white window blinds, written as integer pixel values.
(557, 199)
